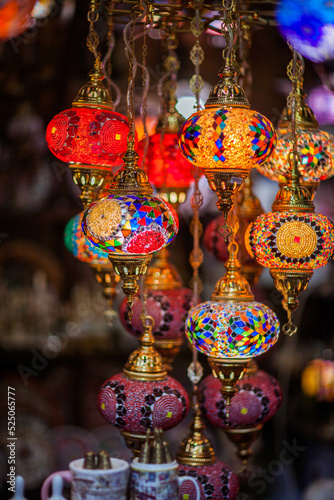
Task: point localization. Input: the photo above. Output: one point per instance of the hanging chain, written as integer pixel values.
(143, 108)
(230, 29)
(196, 82)
(92, 37)
(131, 79)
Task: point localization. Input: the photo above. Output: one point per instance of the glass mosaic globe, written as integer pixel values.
(227, 138)
(256, 401)
(77, 243)
(165, 165)
(134, 406)
(232, 330)
(315, 150)
(130, 225)
(309, 25)
(88, 136)
(286, 240)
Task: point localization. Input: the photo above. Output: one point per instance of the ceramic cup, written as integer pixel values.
(93, 484)
(157, 481)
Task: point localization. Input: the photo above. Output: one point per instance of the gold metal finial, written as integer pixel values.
(131, 179)
(243, 439)
(232, 287)
(130, 268)
(145, 450)
(88, 179)
(162, 275)
(196, 449)
(228, 371)
(89, 460)
(226, 184)
(94, 93)
(103, 460)
(145, 363)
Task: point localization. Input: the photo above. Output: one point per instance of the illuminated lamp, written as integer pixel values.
(231, 328)
(309, 26)
(314, 147)
(166, 167)
(83, 250)
(226, 139)
(143, 396)
(15, 17)
(91, 137)
(42, 8)
(130, 224)
(318, 380)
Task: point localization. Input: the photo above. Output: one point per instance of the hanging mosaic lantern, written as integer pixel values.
(91, 137)
(15, 17)
(82, 249)
(197, 459)
(226, 139)
(130, 224)
(291, 241)
(248, 208)
(318, 380)
(167, 169)
(232, 328)
(143, 396)
(168, 302)
(257, 400)
(309, 26)
(314, 146)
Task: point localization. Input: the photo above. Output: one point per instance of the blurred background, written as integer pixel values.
(56, 347)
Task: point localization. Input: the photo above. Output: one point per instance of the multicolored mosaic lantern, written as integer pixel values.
(143, 396)
(226, 139)
(309, 26)
(91, 137)
(232, 328)
(168, 302)
(82, 249)
(242, 330)
(257, 400)
(314, 146)
(291, 244)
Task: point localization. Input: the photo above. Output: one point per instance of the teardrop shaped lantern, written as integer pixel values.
(91, 137)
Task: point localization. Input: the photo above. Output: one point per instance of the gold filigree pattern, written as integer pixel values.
(296, 239)
(104, 218)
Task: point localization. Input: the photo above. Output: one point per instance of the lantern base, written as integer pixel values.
(88, 179)
(290, 283)
(226, 184)
(135, 441)
(169, 349)
(243, 439)
(130, 268)
(109, 280)
(228, 371)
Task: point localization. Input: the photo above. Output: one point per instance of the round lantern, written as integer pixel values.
(15, 17)
(229, 331)
(318, 380)
(258, 398)
(226, 139)
(314, 147)
(215, 481)
(91, 137)
(130, 225)
(309, 26)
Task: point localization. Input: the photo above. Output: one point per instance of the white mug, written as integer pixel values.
(157, 481)
(93, 484)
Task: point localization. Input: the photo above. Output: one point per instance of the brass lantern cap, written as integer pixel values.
(171, 120)
(227, 92)
(145, 363)
(293, 197)
(130, 179)
(305, 118)
(162, 275)
(94, 93)
(232, 287)
(196, 449)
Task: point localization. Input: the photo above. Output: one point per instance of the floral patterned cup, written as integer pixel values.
(157, 481)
